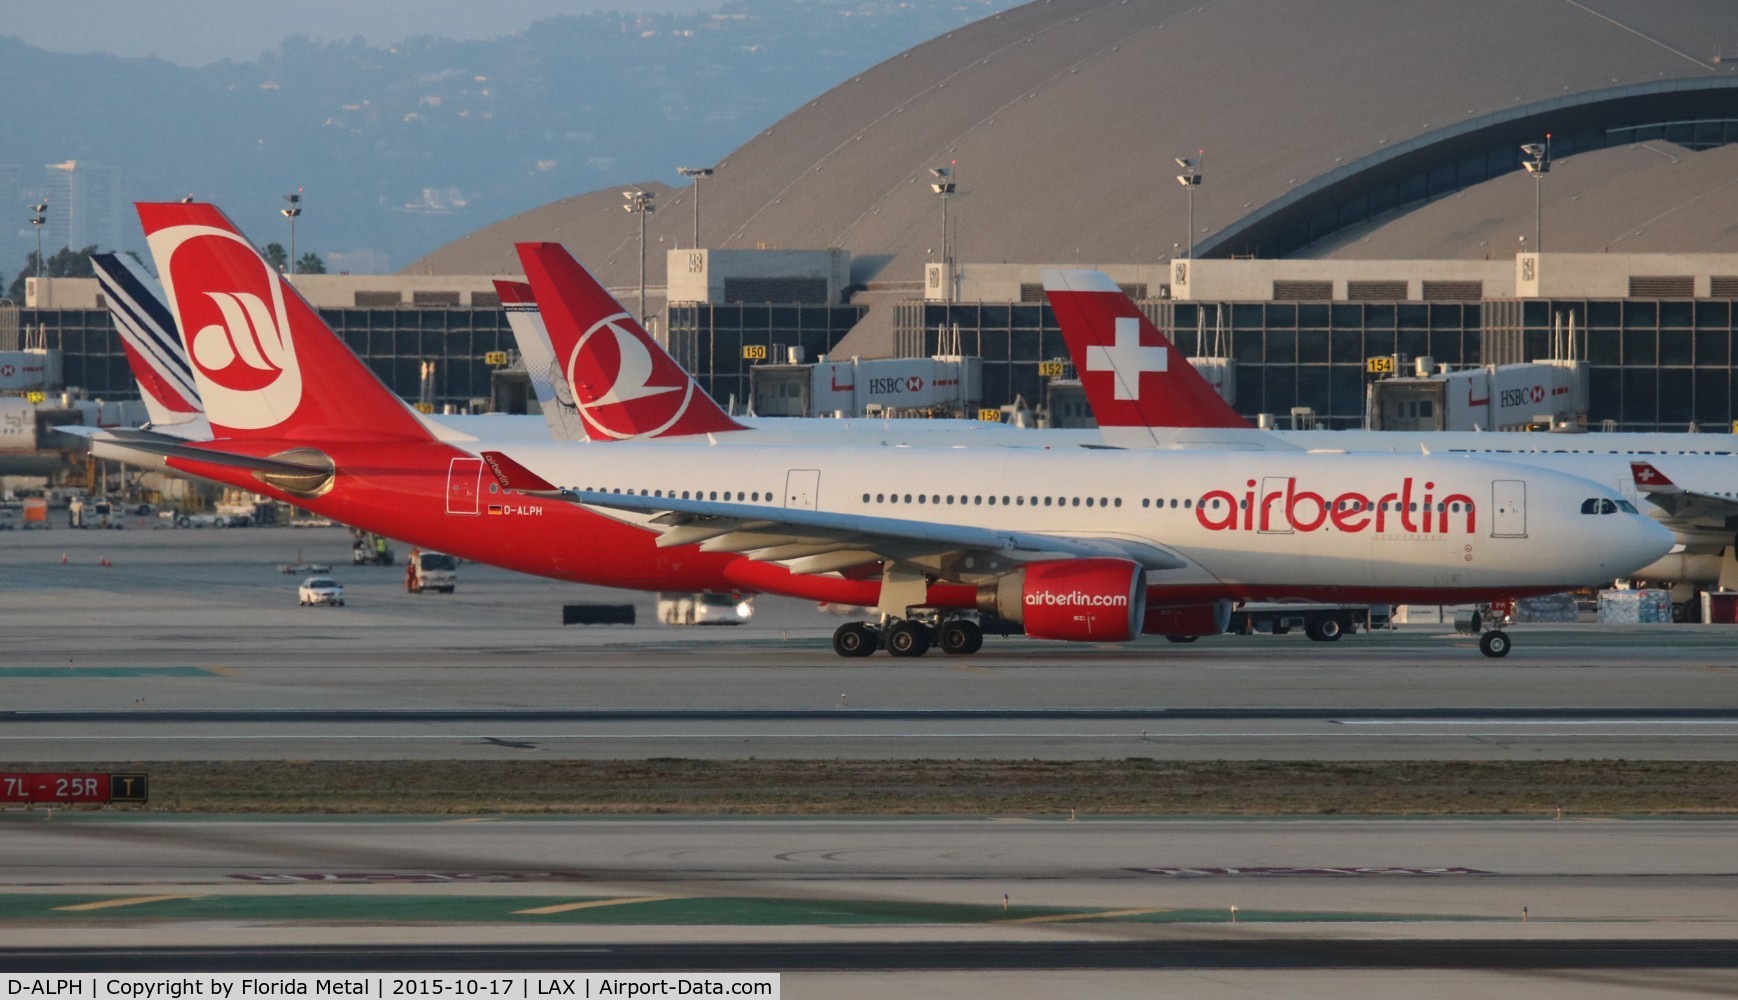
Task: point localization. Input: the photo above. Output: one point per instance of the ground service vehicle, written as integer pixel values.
(320, 590)
(427, 571)
(1320, 622)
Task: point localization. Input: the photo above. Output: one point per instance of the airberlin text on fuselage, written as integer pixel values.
(1304, 510)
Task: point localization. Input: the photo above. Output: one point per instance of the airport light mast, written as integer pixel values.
(1190, 178)
(292, 213)
(697, 173)
(943, 187)
(640, 203)
(1538, 166)
(38, 219)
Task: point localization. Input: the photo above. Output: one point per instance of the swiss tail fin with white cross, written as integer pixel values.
(1133, 375)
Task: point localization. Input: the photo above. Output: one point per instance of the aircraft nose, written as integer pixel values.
(1641, 541)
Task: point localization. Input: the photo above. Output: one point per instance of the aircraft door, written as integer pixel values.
(802, 488)
(1508, 508)
(463, 475)
(1270, 515)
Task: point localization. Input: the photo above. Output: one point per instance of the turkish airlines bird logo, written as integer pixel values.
(231, 309)
(622, 389)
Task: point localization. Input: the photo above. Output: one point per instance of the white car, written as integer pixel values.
(320, 590)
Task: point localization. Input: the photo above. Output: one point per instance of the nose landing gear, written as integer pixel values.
(1494, 643)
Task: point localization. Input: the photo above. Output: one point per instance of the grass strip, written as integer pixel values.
(1134, 786)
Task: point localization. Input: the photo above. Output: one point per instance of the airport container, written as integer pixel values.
(1632, 607)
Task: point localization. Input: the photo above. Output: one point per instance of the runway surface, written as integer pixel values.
(1569, 908)
(188, 644)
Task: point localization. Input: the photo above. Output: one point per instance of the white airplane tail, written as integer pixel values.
(548, 381)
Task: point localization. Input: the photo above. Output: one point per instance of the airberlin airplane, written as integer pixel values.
(1137, 383)
(1074, 544)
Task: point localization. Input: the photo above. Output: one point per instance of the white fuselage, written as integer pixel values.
(1255, 526)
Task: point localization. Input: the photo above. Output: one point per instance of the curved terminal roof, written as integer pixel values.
(1328, 126)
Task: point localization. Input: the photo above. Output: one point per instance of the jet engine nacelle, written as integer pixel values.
(1188, 619)
(1076, 600)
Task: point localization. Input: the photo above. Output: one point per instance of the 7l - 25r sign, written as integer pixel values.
(67, 786)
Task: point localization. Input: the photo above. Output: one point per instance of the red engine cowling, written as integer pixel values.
(1076, 600)
(1188, 619)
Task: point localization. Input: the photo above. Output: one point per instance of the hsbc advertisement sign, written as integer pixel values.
(24, 370)
(854, 387)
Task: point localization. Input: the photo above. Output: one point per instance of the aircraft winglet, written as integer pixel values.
(517, 478)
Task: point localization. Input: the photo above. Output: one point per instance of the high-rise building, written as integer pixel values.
(84, 206)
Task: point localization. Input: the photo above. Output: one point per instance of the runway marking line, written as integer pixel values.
(109, 904)
(594, 904)
(1057, 918)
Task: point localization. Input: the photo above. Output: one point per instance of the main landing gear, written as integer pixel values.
(909, 637)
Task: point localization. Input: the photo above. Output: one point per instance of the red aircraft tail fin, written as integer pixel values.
(624, 383)
(266, 365)
(1133, 375)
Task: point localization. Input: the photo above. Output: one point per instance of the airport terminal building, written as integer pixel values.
(1655, 331)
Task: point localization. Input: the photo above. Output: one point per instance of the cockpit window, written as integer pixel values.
(1627, 507)
(1600, 505)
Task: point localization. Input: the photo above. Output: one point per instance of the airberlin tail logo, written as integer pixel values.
(231, 309)
(622, 389)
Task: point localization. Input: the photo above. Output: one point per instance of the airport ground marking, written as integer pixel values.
(594, 904)
(1059, 918)
(109, 904)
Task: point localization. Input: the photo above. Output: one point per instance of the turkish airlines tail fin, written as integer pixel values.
(624, 384)
(265, 364)
(1133, 375)
(547, 381)
(150, 340)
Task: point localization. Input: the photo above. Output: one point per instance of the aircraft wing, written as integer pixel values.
(1682, 504)
(815, 541)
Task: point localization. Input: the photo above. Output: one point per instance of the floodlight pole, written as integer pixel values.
(1190, 178)
(37, 221)
(944, 186)
(640, 203)
(1538, 166)
(291, 213)
(697, 173)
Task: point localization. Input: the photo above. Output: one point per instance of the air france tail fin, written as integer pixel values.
(265, 364)
(624, 384)
(547, 380)
(1133, 375)
(150, 339)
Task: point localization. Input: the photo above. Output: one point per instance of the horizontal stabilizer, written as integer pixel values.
(153, 443)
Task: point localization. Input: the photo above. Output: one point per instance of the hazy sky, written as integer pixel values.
(197, 32)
